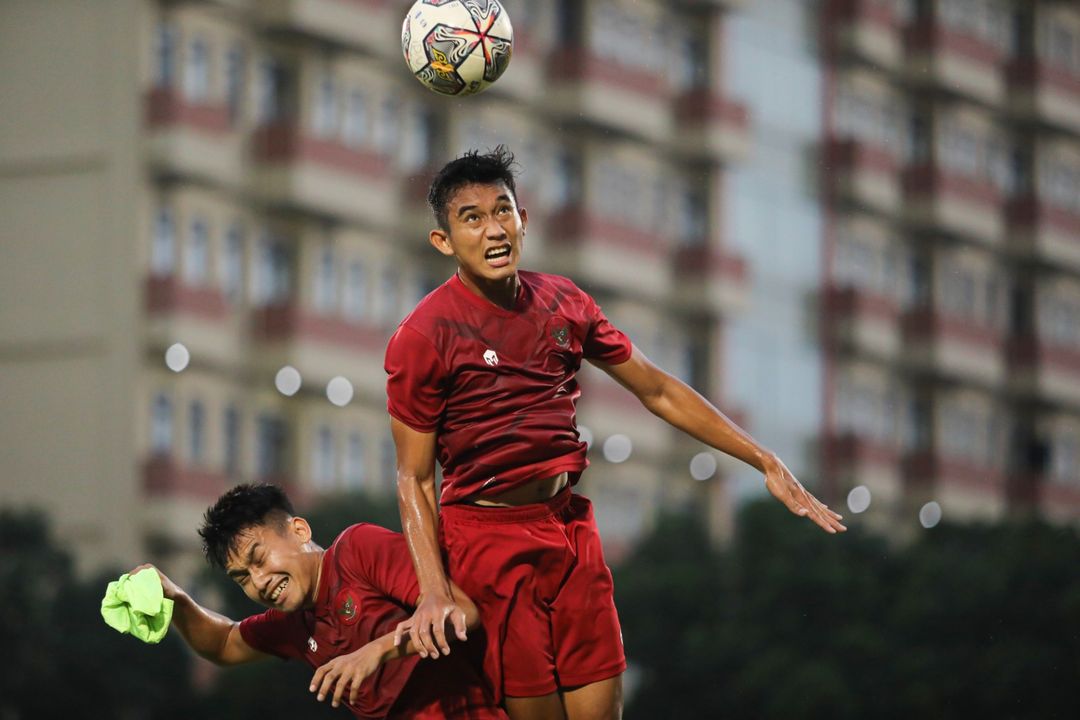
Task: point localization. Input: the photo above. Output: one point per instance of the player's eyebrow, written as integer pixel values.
(250, 559)
(466, 208)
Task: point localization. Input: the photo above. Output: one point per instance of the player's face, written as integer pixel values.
(486, 233)
(276, 567)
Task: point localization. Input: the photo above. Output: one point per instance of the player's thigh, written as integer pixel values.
(601, 700)
(585, 623)
(542, 707)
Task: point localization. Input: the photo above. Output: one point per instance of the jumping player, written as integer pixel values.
(481, 377)
(335, 609)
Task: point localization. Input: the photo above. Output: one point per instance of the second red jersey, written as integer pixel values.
(499, 386)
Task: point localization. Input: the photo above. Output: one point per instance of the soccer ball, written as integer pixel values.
(457, 47)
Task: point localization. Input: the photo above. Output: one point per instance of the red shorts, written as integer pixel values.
(449, 688)
(538, 577)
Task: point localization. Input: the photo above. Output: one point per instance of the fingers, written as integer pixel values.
(460, 626)
(421, 637)
(323, 680)
(440, 632)
(339, 690)
(822, 516)
(399, 632)
(800, 502)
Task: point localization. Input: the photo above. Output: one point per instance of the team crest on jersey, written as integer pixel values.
(312, 645)
(347, 607)
(491, 358)
(559, 332)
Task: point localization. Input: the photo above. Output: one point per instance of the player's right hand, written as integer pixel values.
(427, 626)
(169, 589)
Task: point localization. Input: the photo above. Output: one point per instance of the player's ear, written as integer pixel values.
(440, 240)
(300, 529)
(524, 214)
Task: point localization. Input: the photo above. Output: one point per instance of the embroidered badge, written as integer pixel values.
(312, 645)
(347, 607)
(491, 358)
(558, 329)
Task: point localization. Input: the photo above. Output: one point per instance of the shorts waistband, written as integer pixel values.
(502, 515)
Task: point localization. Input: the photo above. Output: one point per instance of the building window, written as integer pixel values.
(417, 145)
(356, 301)
(354, 462)
(326, 280)
(1059, 182)
(231, 422)
(323, 462)
(356, 122)
(565, 180)
(161, 425)
(386, 129)
(232, 266)
(387, 463)
(1065, 457)
(197, 70)
(272, 88)
(197, 260)
(197, 432)
(389, 297)
(235, 64)
(325, 115)
(691, 218)
(270, 446)
(274, 270)
(163, 250)
(165, 51)
(689, 59)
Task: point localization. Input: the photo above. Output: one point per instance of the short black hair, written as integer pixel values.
(243, 507)
(494, 166)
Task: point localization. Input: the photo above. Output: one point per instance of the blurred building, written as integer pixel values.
(852, 224)
(197, 195)
(950, 295)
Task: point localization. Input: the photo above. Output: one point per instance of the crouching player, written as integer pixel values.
(336, 609)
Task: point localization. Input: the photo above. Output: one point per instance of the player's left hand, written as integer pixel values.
(346, 672)
(785, 488)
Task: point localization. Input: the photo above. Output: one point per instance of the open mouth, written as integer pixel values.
(499, 256)
(276, 593)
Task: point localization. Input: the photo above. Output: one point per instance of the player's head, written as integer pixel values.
(474, 200)
(253, 534)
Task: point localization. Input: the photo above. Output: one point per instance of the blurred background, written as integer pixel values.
(854, 225)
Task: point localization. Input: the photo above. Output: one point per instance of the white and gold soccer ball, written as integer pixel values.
(457, 47)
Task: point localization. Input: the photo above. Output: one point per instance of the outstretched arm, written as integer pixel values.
(674, 401)
(348, 672)
(210, 634)
(420, 524)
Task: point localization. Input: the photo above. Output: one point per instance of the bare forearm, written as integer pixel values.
(420, 524)
(680, 405)
(206, 631)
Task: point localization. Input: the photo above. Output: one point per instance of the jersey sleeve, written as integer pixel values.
(275, 633)
(379, 558)
(416, 380)
(604, 341)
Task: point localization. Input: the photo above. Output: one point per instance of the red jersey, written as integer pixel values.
(497, 386)
(366, 588)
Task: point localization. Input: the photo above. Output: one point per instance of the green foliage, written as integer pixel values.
(65, 660)
(792, 623)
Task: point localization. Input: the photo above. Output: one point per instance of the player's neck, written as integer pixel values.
(502, 293)
(318, 560)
